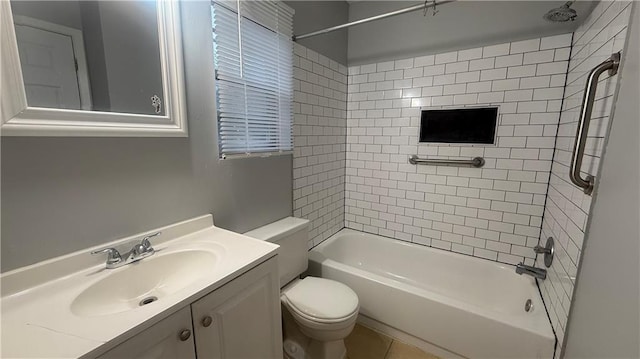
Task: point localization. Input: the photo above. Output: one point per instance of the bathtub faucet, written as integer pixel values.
(539, 273)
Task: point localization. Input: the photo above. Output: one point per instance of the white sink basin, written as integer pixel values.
(144, 282)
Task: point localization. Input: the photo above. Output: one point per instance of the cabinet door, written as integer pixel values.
(241, 320)
(170, 338)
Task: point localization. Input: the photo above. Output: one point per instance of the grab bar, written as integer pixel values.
(475, 162)
(611, 64)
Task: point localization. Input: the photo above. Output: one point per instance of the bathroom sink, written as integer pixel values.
(144, 282)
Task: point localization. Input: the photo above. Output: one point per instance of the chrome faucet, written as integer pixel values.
(139, 251)
(539, 273)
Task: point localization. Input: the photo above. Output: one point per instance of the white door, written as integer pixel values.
(170, 338)
(48, 68)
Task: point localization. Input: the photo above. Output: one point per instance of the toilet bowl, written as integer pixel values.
(324, 311)
(317, 313)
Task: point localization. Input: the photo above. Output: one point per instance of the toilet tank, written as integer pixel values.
(292, 235)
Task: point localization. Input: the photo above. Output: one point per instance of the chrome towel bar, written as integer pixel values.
(475, 162)
(611, 64)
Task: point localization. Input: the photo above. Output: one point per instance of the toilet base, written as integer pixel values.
(297, 345)
(327, 350)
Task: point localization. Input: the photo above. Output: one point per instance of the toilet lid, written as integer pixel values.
(322, 298)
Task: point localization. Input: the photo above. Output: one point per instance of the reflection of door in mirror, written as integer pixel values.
(50, 56)
(91, 55)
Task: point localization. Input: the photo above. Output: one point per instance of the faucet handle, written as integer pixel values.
(113, 256)
(145, 241)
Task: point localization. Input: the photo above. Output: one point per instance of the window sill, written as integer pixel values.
(255, 155)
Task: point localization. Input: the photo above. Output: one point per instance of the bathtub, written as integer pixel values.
(463, 305)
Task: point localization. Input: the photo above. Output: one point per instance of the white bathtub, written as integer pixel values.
(467, 306)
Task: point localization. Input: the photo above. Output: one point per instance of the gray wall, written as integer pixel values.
(94, 49)
(130, 40)
(66, 13)
(459, 25)
(64, 194)
(604, 321)
(316, 15)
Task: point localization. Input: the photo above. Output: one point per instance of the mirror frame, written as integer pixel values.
(19, 119)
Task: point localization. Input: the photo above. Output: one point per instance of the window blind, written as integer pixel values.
(253, 55)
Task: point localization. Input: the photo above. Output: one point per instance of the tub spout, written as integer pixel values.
(539, 273)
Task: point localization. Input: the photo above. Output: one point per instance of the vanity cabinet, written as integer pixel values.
(170, 338)
(240, 320)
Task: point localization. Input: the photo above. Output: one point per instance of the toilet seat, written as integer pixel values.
(321, 301)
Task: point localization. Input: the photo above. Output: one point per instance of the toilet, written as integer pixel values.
(317, 313)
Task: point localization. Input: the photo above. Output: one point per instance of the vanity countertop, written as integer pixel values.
(38, 319)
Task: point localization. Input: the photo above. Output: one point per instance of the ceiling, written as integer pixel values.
(458, 25)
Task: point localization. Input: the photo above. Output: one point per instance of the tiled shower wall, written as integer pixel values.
(319, 129)
(494, 212)
(567, 208)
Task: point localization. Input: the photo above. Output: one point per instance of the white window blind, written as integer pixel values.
(253, 54)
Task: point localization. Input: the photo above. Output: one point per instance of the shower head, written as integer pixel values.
(561, 14)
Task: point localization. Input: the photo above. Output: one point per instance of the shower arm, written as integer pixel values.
(373, 18)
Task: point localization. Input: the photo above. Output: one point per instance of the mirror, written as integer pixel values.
(87, 68)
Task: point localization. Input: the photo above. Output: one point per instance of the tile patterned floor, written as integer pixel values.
(365, 343)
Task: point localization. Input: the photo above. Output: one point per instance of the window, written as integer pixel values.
(253, 55)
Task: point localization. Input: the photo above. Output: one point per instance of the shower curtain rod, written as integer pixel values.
(373, 18)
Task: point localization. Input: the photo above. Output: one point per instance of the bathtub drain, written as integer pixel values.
(528, 306)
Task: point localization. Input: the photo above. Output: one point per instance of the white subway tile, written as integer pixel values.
(562, 54)
(423, 81)
(394, 75)
(532, 106)
(548, 93)
(509, 60)
(442, 101)
(432, 91)
(414, 72)
(491, 97)
(444, 79)
(454, 89)
(433, 70)
(496, 50)
(552, 68)
(485, 253)
(484, 86)
(540, 57)
(469, 99)
(446, 57)
(525, 46)
(494, 74)
(502, 85)
(424, 61)
(465, 77)
(552, 42)
(470, 54)
(521, 71)
(403, 64)
(385, 66)
(365, 69)
(482, 64)
(456, 67)
(535, 82)
(518, 95)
